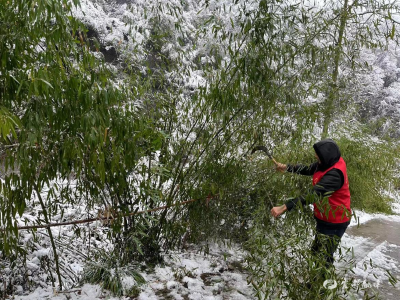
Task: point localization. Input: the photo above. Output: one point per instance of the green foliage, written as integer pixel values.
(8, 124)
(139, 242)
(74, 120)
(68, 119)
(110, 274)
(371, 172)
(239, 187)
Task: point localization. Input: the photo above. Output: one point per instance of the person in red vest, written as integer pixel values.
(332, 206)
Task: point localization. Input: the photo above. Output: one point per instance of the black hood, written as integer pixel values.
(328, 153)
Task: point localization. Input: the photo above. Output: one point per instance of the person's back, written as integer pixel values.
(331, 189)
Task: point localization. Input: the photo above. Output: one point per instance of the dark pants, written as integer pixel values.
(326, 242)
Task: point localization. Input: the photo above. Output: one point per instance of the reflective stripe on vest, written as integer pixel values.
(338, 210)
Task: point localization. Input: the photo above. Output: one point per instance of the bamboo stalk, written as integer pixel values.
(332, 96)
(53, 245)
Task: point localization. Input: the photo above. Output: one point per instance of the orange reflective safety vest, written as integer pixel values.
(337, 210)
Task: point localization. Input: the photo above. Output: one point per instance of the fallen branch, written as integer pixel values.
(107, 218)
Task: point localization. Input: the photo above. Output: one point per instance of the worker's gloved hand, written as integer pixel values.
(278, 210)
(280, 167)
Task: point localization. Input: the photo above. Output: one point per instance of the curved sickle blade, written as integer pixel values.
(265, 150)
(262, 148)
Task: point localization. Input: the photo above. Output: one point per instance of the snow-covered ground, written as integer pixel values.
(220, 272)
(189, 274)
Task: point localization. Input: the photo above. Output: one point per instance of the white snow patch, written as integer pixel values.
(41, 252)
(362, 217)
(76, 267)
(172, 285)
(375, 264)
(396, 208)
(86, 292)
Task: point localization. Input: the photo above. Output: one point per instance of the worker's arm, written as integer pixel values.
(329, 183)
(307, 170)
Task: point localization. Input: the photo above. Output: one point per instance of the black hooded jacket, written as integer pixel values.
(329, 154)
